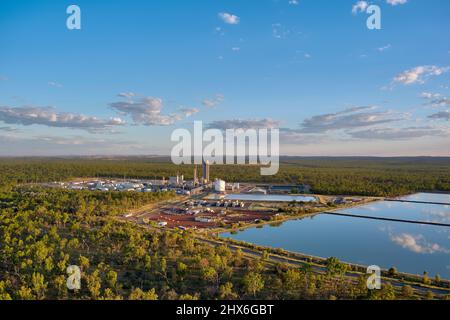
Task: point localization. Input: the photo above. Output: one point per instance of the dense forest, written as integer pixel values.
(43, 231)
(349, 176)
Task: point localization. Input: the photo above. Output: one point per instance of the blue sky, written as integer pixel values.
(137, 70)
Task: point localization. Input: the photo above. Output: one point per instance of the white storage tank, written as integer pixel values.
(220, 186)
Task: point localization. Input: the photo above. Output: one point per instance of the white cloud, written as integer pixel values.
(147, 111)
(128, 95)
(396, 2)
(189, 111)
(296, 137)
(384, 48)
(364, 123)
(399, 134)
(70, 145)
(294, 2)
(229, 18)
(360, 6)
(443, 115)
(419, 74)
(436, 214)
(8, 129)
(55, 84)
(245, 124)
(351, 118)
(429, 95)
(214, 102)
(435, 100)
(279, 31)
(440, 102)
(219, 31)
(48, 116)
(417, 244)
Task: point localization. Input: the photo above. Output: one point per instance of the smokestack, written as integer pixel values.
(206, 171)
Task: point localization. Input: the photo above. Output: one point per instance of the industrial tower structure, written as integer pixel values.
(195, 175)
(206, 171)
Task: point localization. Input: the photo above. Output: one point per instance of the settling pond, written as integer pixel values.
(269, 198)
(411, 248)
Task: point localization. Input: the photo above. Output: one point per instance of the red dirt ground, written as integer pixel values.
(188, 221)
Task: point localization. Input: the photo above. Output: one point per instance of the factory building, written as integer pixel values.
(176, 181)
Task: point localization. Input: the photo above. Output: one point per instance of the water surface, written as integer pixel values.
(403, 211)
(412, 248)
(269, 198)
(429, 197)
